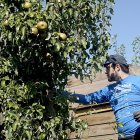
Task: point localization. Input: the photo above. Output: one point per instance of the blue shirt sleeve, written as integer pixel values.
(99, 96)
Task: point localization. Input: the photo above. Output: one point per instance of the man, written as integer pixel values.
(123, 96)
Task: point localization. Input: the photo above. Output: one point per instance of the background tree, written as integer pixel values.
(136, 51)
(118, 49)
(121, 49)
(39, 48)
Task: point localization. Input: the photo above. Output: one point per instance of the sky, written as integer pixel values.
(126, 24)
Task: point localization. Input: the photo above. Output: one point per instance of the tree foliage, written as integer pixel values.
(39, 48)
(121, 50)
(136, 51)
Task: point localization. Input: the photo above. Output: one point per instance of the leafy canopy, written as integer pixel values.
(40, 46)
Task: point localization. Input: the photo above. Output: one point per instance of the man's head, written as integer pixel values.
(116, 67)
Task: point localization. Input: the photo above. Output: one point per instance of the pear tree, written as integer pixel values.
(42, 43)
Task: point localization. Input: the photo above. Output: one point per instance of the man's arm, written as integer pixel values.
(99, 96)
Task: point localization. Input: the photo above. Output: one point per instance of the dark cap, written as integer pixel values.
(116, 59)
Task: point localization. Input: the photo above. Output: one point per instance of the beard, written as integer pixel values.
(113, 77)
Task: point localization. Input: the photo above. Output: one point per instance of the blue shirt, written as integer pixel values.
(124, 98)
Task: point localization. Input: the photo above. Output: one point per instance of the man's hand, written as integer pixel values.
(137, 116)
(69, 96)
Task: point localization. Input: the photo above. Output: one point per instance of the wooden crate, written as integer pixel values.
(101, 123)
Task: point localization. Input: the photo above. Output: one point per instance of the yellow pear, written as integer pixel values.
(62, 36)
(42, 25)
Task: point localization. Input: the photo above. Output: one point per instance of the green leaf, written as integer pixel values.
(42, 136)
(65, 54)
(34, 104)
(10, 37)
(13, 105)
(58, 46)
(29, 134)
(69, 48)
(111, 11)
(76, 14)
(120, 124)
(70, 10)
(23, 30)
(84, 43)
(14, 125)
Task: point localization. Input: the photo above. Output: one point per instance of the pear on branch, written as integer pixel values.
(27, 5)
(42, 25)
(62, 36)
